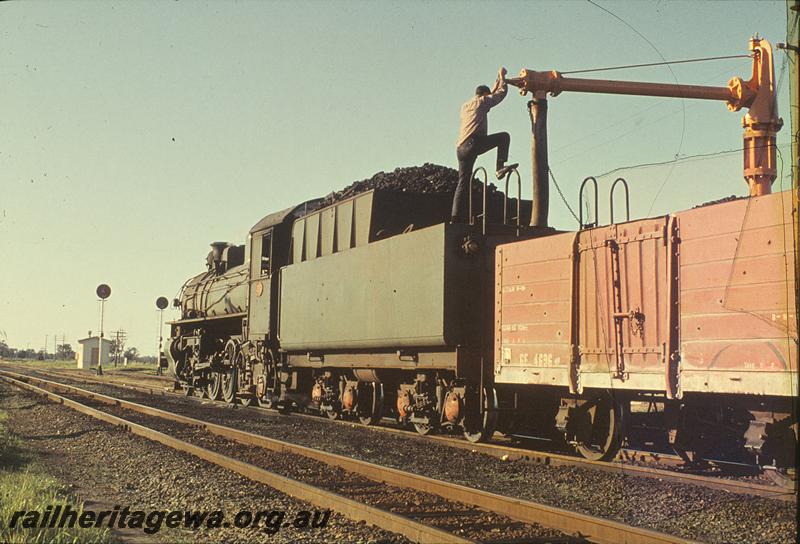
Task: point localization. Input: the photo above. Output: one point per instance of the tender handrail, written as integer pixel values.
(519, 199)
(482, 215)
(627, 199)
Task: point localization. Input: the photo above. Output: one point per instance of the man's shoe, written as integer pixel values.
(503, 172)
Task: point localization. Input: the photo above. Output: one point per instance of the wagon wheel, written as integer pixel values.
(371, 411)
(480, 426)
(709, 432)
(600, 429)
(229, 375)
(214, 386)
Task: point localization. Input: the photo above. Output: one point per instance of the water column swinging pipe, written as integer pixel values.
(761, 123)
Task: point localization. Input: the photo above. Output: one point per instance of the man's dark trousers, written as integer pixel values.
(467, 153)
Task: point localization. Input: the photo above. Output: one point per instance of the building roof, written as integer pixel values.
(84, 340)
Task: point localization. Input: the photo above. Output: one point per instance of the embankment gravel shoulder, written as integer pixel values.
(103, 465)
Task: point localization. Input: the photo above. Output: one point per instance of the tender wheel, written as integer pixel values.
(214, 386)
(370, 407)
(424, 428)
(229, 375)
(479, 426)
(241, 384)
(599, 428)
(785, 478)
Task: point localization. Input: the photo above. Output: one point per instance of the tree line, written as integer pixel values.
(65, 352)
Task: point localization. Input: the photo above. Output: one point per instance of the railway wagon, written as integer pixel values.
(695, 309)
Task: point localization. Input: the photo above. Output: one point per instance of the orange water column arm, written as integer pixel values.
(761, 123)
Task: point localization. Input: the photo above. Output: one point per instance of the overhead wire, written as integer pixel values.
(664, 63)
(671, 71)
(561, 194)
(677, 159)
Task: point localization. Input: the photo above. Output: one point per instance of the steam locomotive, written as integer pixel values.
(376, 306)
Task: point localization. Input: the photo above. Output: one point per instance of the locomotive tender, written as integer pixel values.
(372, 302)
(376, 306)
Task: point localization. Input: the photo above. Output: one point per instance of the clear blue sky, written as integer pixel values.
(132, 134)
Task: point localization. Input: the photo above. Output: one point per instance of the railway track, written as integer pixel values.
(444, 512)
(632, 462)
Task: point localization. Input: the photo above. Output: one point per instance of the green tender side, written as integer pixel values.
(415, 290)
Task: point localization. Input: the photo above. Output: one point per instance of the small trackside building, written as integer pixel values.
(90, 352)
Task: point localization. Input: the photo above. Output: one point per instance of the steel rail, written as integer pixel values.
(595, 529)
(318, 497)
(509, 452)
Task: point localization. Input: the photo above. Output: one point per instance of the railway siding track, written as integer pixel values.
(508, 452)
(583, 526)
(318, 497)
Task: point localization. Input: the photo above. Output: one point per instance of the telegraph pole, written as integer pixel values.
(793, 51)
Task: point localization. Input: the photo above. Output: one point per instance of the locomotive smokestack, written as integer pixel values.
(541, 186)
(215, 255)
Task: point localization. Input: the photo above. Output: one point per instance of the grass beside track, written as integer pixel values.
(26, 486)
(70, 364)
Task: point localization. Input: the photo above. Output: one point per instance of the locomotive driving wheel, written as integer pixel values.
(214, 386)
(599, 428)
(229, 375)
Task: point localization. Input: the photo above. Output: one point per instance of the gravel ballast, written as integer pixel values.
(688, 511)
(106, 466)
(463, 520)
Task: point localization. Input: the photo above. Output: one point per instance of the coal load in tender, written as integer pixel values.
(428, 178)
